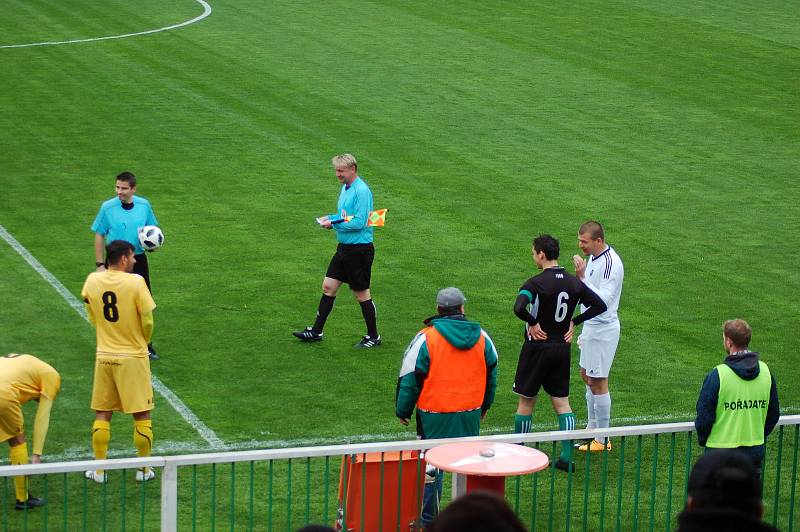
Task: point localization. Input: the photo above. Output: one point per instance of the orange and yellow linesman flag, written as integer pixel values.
(375, 218)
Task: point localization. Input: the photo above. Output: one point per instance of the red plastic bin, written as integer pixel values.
(378, 502)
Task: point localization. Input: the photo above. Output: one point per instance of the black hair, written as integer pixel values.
(548, 245)
(726, 478)
(477, 511)
(117, 249)
(127, 177)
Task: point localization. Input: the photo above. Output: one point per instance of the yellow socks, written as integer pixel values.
(101, 435)
(19, 456)
(143, 439)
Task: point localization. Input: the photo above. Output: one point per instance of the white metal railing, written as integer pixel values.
(170, 464)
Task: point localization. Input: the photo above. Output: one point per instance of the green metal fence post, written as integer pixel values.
(194, 498)
(269, 494)
(289, 495)
(776, 501)
(620, 482)
(251, 497)
(232, 508)
(326, 482)
(308, 491)
(603, 487)
(586, 489)
(123, 497)
(213, 496)
(669, 481)
(652, 522)
(637, 482)
(796, 444)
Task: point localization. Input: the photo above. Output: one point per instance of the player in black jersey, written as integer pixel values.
(544, 360)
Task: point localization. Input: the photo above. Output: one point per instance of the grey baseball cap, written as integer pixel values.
(450, 297)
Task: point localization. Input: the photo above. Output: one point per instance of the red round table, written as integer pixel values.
(486, 464)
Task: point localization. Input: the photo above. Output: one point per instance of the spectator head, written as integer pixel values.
(450, 301)
(477, 511)
(736, 335)
(725, 479)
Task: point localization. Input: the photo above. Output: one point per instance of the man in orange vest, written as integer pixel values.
(449, 373)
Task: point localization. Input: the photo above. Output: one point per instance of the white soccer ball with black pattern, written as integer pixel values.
(151, 238)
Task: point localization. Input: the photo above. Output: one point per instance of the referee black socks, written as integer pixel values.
(370, 317)
(323, 311)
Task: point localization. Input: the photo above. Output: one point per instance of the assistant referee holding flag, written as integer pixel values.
(352, 262)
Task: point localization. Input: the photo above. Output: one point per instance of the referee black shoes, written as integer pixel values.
(368, 342)
(308, 335)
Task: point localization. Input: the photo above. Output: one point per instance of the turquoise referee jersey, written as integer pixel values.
(354, 201)
(116, 223)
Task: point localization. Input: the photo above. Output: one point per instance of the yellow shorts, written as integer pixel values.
(122, 384)
(11, 421)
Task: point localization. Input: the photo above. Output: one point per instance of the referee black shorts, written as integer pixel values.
(352, 264)
(543, 365)
(141, 267)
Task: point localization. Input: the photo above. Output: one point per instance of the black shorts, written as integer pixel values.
(543, 365)
(142, 268)
(352, 264)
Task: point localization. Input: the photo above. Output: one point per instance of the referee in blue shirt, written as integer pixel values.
(120, 219)
(352, 262)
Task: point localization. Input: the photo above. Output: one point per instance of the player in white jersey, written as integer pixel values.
(602, 272)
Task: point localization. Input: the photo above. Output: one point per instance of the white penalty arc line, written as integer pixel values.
(180, 407)
(206, 12)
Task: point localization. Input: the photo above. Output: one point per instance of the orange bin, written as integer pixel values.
(373, 504)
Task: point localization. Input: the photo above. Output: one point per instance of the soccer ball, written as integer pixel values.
(151, 238)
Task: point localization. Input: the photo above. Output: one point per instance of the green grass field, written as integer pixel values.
(479, 127)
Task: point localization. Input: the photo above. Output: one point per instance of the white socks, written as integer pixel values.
(602, 410)
(590, 412)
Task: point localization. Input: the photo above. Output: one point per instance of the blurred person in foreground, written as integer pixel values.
(724, 495)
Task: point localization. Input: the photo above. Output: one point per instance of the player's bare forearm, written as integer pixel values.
(568, 335)
(99, 250)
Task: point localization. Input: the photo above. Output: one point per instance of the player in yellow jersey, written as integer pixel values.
(120, 307)
(22, 378)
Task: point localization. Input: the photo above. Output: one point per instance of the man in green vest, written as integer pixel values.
(738, 405)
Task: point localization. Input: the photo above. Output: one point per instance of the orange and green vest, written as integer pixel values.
(456, 380)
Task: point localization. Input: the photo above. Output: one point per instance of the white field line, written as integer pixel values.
(206, 12)
(180, 407)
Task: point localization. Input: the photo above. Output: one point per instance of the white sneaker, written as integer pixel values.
(100, 478)
(144, 476)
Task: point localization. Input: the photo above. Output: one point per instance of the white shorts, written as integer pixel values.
(598, 346)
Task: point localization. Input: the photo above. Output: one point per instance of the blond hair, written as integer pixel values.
(345, 160)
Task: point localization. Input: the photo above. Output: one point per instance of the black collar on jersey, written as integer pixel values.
(126, 206)
(605, 252)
